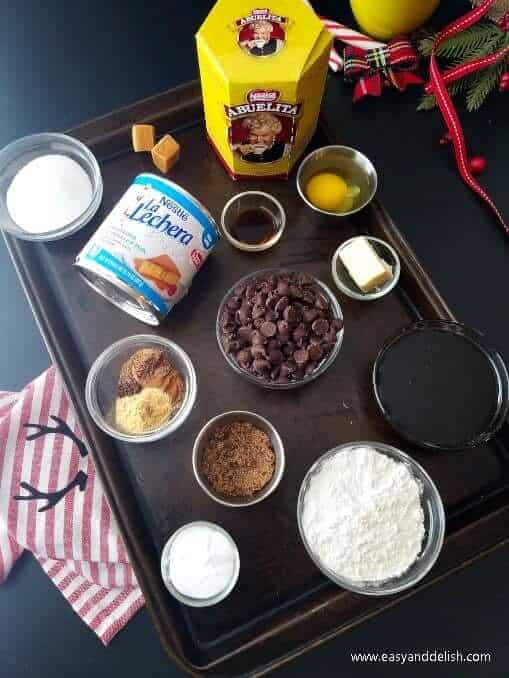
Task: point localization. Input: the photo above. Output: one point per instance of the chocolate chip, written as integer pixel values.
(282, 380)
(229, 327)
(330, 337)
(244, 335)
(301, 356)
(321, 303)
(288, 348)
(239, 290)
(261, 366)
(250, 290)
(260, 299)
(271, 316)
(231, 346)
(244, 314)
(258, 351)
(257, 337)
(315, 352)
(320, 326)
(258, 323)
(272, 301)
(244, 357)
(295, 292)
(234, 303)
(283, 327)
(282, 288)
(314, 339)
(281, 304)
(337, 324)
(275, 356)
(273, 344)
(309, 315)
(292, 314)
(300, 332)
(258, 311)
(308, 297)
(268, 329)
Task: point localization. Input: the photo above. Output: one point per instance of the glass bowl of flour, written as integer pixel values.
(50, 186)
(370, 518)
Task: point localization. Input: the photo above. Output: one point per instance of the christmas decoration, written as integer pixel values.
(477, 165)
(504, 82)
(437, 86)
(477, 57)
(349, 37)
(389, 65)
(386, 19)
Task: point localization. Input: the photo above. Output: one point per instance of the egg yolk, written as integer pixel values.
(327, 191)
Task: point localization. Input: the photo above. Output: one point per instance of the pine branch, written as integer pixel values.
(460, 46)
(482, 83)
(428, 102)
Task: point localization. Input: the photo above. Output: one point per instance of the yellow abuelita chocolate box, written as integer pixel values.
(262, 72)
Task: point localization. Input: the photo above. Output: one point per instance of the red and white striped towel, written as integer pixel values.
(52, 503)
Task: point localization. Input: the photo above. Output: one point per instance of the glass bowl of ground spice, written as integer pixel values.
(141, 389)
(238, 458)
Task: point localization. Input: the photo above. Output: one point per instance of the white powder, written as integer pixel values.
(201, 562)
(363, 516)
(48, 193)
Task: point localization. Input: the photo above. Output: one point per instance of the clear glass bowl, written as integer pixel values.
(165, 562)
(102, 384)
(17, 154)
(322, 367)
(247, 201)
(345, 283)
(277, 445)
(434, 524)
(494, 359)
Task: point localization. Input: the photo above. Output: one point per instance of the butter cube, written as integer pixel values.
(365, 267)
(144, 137)
(165, 153)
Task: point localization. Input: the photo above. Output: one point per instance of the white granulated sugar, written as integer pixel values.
(363, 516)
(48, 193)
(201, 562)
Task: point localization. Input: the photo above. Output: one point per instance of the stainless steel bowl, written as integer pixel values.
(277, 445)
(322, 367)
(351, 164)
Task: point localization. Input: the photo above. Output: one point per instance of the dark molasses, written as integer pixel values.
(438, 387)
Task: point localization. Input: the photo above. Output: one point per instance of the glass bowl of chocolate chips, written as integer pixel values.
(279, 329)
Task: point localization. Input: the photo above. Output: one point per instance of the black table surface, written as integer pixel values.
(64, 63)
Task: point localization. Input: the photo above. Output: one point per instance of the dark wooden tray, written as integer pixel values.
(281, 606)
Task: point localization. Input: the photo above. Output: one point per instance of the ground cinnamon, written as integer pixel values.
(238, 459)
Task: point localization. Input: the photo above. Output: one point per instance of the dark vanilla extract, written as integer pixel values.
(254, 226)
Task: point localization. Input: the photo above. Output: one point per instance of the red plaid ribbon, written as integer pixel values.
(391, 65)
(438, 86)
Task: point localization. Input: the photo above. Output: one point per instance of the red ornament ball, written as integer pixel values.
(446, 139)
(477, 164)
(503, 85)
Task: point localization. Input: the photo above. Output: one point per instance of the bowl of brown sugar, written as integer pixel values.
(238, 458)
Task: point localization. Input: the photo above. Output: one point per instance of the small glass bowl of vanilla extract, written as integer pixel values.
(253, 221)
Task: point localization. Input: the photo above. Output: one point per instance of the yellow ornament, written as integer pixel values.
(384, 19)
(327, 191)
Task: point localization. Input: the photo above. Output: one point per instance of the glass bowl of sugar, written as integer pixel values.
(50, 186)
(370, 518)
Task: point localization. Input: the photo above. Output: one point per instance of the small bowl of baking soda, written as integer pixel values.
(200, 564)
(370, 518)
(50, 186)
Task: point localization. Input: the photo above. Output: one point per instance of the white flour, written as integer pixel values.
(48, 193)
(363, 516)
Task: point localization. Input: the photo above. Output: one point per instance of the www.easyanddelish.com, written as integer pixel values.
(426, 657)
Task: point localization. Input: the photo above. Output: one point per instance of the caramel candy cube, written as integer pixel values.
(144, 137)
(165, 153)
